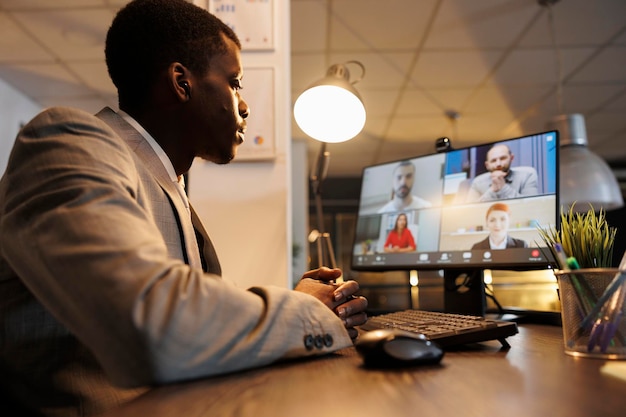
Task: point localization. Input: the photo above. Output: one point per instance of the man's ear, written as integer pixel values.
(180, 81)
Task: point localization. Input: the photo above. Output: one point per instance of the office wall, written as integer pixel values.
(246, 206)
(15, 110)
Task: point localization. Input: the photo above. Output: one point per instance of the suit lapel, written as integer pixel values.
(151, 160)
(210, 262)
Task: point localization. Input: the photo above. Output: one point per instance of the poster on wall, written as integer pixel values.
(259, 143)
(252, 21)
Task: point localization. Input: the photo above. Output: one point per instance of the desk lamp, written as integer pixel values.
(586, 179)
(330, 111)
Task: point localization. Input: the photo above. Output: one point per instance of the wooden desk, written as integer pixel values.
(532, 379)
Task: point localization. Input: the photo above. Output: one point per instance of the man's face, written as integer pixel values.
(220, 112)
(499, 158)
(403, 177)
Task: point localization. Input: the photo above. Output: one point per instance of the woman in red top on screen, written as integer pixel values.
(400, 238)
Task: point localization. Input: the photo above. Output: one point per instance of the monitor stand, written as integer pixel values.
(464, 292)
(520, 315)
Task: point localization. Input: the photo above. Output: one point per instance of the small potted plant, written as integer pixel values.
(591, 292)
(585, 237)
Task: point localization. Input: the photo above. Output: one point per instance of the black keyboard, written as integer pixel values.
(446, 329)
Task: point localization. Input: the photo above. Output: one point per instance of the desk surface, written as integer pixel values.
(533, 378)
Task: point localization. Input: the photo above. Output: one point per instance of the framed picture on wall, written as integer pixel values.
(252, 21)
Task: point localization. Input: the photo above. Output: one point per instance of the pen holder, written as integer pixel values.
(582, 307)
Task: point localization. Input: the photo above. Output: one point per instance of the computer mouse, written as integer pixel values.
(395, 348)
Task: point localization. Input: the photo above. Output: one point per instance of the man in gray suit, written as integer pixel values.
(109, 283)
(501, 181)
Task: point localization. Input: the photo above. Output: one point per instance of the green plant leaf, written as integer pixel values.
(585, 236)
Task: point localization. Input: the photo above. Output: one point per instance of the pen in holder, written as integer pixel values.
(593, 322)
(591, 292)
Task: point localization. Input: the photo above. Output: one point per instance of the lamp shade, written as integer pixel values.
(331, 110)
(585, 178)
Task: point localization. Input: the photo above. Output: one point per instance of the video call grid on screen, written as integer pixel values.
(449, 224)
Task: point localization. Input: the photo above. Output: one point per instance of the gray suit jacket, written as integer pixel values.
(521, 182)
(100, 294)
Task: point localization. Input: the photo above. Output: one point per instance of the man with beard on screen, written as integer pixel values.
(501, 181)
(402, 199)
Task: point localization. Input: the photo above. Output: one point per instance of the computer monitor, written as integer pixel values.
(465, 210)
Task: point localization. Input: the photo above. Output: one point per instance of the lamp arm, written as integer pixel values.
(318, 175)
(320, 170)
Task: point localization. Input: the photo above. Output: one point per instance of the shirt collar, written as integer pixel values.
(502, 245)
(165, 160)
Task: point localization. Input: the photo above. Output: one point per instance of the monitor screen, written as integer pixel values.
(479, 207)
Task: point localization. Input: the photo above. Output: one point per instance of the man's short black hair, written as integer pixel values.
(405, 163)
(146, 36)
